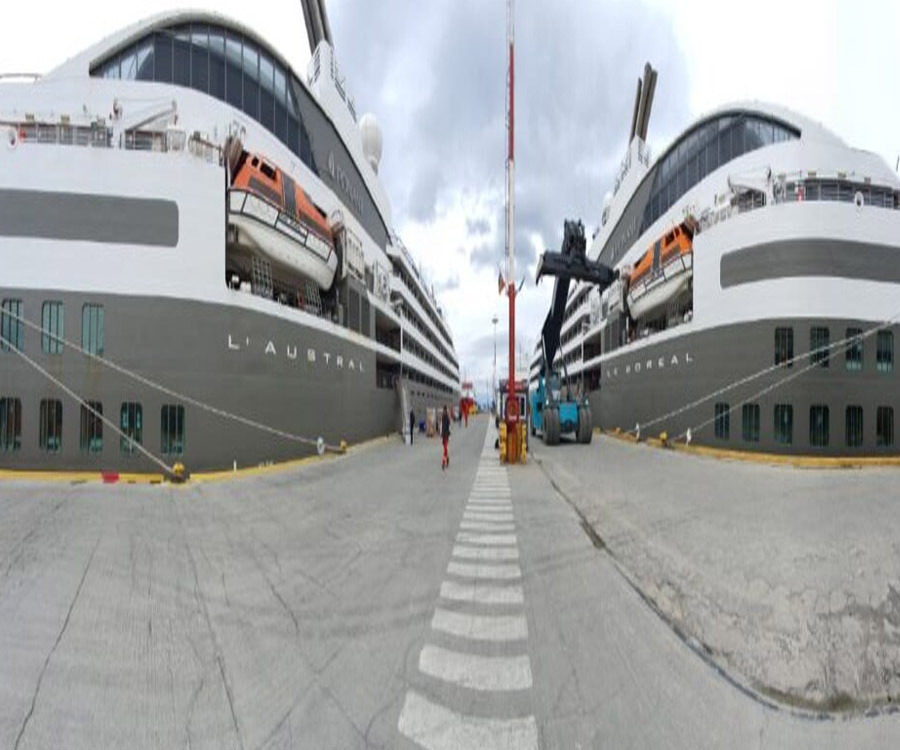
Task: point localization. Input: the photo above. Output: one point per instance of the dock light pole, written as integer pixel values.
(512, 404)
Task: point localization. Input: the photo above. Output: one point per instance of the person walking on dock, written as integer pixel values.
(445, 437)
(412, 425)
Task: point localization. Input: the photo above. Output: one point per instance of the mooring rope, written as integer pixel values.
(317, 443)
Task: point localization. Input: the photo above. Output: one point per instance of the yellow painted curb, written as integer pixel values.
(38, 475)
(803, 462)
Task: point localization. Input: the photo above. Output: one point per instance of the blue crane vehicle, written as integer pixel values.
(555, 407)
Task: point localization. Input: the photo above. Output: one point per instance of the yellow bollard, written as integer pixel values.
(178, 472)
(523, 442)
(502, 442)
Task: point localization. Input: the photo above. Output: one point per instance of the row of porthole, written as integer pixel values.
(819, 425)
(50, 427)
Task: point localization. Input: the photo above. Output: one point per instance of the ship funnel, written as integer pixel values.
(317, 26)
(643, 103)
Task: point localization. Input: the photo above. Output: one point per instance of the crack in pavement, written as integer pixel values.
(62, 631)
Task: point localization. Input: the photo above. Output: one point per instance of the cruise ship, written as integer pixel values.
(199, 262)
(758, 290)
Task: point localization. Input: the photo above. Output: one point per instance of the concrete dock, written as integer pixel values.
(376, 601)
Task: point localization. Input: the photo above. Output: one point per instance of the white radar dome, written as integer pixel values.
(372, 143)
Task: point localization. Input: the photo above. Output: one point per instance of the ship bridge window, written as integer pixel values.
(818, 426)
(884, 427)
(200, 57)
(12, 325)
(10, 424)
(704, 149)
(50, 437)
(91, 440)
(884, 351)
(854, 351)
(52, 327)
(131, 423)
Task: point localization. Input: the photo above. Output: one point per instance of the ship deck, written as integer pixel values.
(608, 595)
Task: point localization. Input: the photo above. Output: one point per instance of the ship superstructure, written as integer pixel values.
(196, 246)
(758, 294)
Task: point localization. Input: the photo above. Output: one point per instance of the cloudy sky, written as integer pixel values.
(434, 73)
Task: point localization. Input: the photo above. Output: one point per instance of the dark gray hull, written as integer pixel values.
(276, 372)
(639, 386)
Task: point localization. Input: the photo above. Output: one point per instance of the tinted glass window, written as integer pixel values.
(884, 428)
(52, 327)
(722, 418)
(251, 81)
(182, 57)
(854, 350)
(854, 426)
(10, 424)
(91, 433)
(818, 426)
(266, 93)
(162, 58)
(200, 57)
(280, 105)
(129, 66)
(217, 64)
(884, 351)
(131, 423)
(50, 436)
(784, 424)
(145, 61)
(750, 423)
(12, 325)
(233, 76)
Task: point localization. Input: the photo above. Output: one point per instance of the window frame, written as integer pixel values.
(172, 442)
(750, 421)
(12, 320)
(90, 439)
(722, 421)
(854, 363)
(53, 327)
(50, 433)
(10, 424)
(854, 426)
(819, 352)
(884, 427)
(131, 423)
(819, 438)
(783, 430)
(92, 317)
(784, 346)
(884, 351)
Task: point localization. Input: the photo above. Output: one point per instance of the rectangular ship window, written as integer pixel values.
(750, 423)
(818, 346)
(854, 350)
(12, 325)
(52, 327)
(784, 424)
(854, 426)
(784, 346)
(51, 425)
(10, 424)
(818, 426)
(884, 427)
(884, 351)
(131, 422)
(172, 430)
(92, 329)
(723, 415)
(91, 427)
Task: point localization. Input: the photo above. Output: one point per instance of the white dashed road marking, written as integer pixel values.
(438, 728)
(481, 604)
(480, 627)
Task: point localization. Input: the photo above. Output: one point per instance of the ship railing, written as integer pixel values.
(98, 135)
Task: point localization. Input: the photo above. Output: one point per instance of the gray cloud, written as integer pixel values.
(478, 226)
(435, 75)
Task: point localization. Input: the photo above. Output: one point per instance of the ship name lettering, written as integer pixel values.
(311, 355)
(232, 345)
(339, 361)
(270, 348)
(291, 353)
(327, 357)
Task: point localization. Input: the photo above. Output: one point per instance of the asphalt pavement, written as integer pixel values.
(368, 601)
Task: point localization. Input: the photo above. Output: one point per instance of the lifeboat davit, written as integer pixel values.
(276, 217)
(663, 272)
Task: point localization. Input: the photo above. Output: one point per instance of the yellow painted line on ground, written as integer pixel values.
(802, 462)
(38, 475)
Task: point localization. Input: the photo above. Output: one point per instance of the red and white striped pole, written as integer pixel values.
(512, 404)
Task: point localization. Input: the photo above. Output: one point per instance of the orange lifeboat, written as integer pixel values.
(663, 272)
(276, 217)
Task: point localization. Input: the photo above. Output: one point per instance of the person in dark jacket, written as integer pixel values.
(445, 436)
(412, 425)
